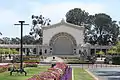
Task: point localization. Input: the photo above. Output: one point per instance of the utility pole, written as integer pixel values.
(21, 70)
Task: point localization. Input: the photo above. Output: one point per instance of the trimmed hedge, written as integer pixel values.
(15, 66)
(32, 61)
(31, 65)
(26, 59)
(3, 69)
(116, 60)
(78, 62)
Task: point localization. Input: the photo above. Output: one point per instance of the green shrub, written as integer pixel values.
(78, 62)
(30, 57)
(31, 64)
(25, 58)
(3, 69)
(31, 61)
(116, 60)
(16, 66)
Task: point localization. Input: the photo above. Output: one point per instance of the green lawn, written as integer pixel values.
(81, 74)
(30, 71)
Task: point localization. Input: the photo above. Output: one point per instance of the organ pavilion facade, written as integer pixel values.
(61, 39)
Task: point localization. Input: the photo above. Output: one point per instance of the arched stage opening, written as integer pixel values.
(62, 44)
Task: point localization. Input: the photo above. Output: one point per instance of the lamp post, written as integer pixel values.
(21, 70)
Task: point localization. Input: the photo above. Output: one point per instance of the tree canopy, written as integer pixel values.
(27, 39)
(8, 51)
(115, 49)
(77, 16)
(100, 53)
(100, 28)
(37, 23)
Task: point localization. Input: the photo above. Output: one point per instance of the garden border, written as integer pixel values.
(91, 74)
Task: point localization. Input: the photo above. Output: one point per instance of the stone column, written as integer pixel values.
(25, 51)
(19, 50)
(50, 51)
(95, 51)
(106, 51)
(43, 51)
(37, 50)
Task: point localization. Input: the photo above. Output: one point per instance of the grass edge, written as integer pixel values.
(91, 74)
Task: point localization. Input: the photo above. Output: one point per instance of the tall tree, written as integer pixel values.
(6, 40)
(114, 31)
(1, 41)
(77, 16)
(37, 23)
(15, 40)
(27, 39)
(100, 28)
(105, 29)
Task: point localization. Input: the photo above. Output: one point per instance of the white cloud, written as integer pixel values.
(57, 11)
(54, 11)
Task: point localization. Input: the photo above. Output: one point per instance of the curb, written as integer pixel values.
(91, 74)
(72, 74)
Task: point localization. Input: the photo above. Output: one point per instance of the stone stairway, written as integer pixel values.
(53, 59)
(64, 59)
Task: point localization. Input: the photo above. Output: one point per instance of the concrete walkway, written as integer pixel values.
(87, 66)
(3, 64)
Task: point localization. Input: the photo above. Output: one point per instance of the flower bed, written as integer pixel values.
(67, 75)
(32, 61)
(31, 64)
(59, 72)
(4, 68)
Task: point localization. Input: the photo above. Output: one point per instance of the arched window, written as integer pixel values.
(50, 50)
(40, 53)
(79, 51)
(34, 51)
(45, 50)
(74, 51)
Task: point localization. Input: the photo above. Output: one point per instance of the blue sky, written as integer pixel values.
(11, 11)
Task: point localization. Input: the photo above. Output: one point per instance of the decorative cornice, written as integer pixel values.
(63, 23)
